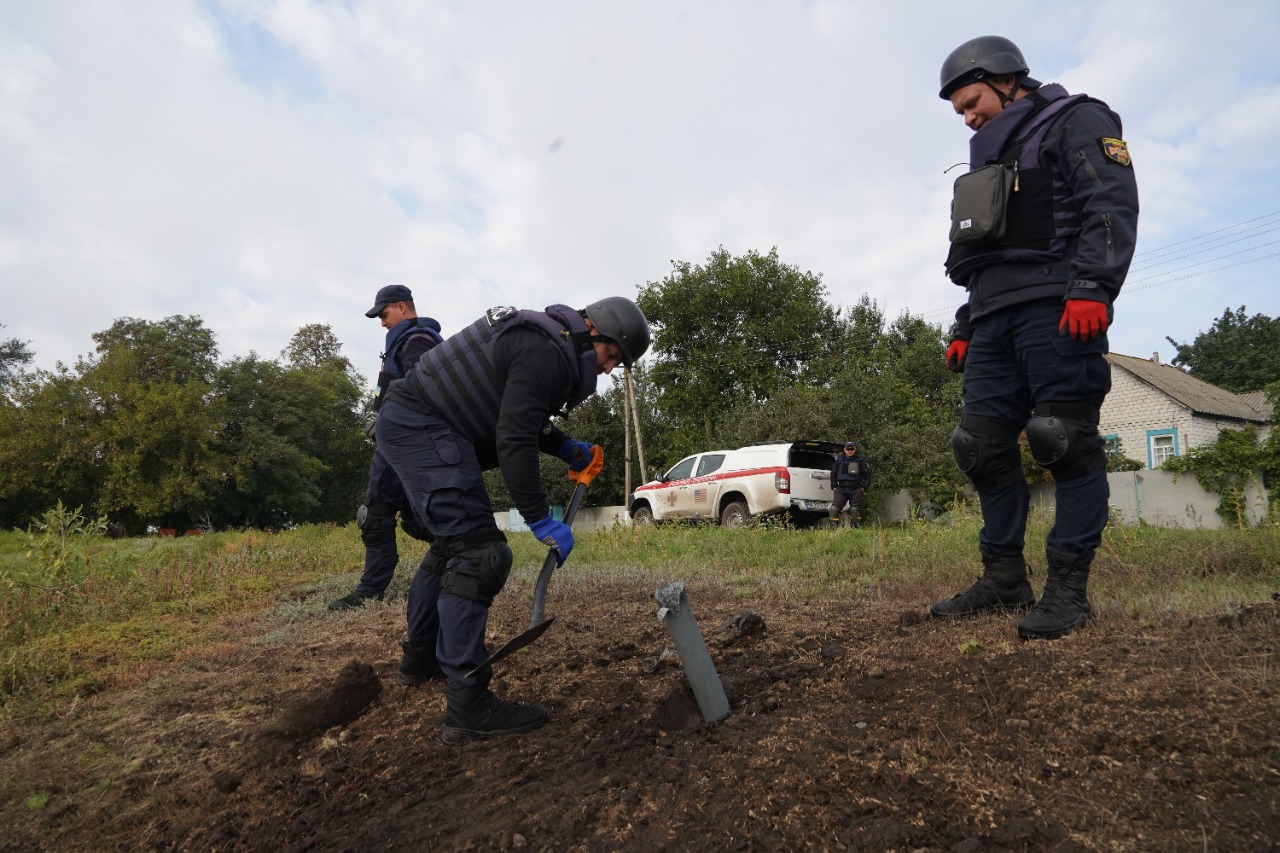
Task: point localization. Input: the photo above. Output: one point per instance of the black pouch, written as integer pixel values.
(979, 204)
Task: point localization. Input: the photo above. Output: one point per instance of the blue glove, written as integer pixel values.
(555, 534)
(576, 453)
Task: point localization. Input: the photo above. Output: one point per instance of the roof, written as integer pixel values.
(1196, 394)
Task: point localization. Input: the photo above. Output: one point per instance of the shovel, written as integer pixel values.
(538, 625)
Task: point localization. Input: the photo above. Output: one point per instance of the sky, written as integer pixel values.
(267, 164)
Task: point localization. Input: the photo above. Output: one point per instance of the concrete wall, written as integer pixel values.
(1150, 496)
(1153, 497)
(589, 518)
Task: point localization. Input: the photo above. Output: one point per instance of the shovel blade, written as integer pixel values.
(516, 643)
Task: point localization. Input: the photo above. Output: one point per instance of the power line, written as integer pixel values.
(802, 347)
(1181, 250)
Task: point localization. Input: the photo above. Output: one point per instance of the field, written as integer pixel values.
(265, 722)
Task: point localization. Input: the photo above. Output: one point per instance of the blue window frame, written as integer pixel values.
(1162, 444)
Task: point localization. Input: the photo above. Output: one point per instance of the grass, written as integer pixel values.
(140, 601)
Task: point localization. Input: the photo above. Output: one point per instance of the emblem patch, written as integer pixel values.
(1115, 150)
(497, 314)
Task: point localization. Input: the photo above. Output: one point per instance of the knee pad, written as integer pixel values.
(478, 571)
(986, 451)
(377, 522)
(1069, 447)
(409, 523)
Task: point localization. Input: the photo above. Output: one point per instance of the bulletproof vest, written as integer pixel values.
(391, 368)
(849, 470)
(462, 381)
(1041, 215)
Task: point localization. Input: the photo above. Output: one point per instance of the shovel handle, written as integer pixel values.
(549, 565)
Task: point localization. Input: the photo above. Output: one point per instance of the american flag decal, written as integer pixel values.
(699, 496)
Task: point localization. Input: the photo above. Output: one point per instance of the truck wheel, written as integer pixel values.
(642, 516)
(735, 514)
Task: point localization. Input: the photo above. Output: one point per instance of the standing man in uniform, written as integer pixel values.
(1042, 257)
(850, 477)
(483, 399)
(408, 337)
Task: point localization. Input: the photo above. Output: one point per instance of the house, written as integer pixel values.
(1156, 410)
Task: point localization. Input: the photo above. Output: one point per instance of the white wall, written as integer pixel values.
(1154, 497)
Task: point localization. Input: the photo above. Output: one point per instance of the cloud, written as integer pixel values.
(271, 164)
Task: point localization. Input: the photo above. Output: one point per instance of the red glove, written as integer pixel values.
(955, 355)
(1083, 319)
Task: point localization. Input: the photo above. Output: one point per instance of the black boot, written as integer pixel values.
(1064, 607)
(418, 664)
(474, 712)
(1002, 587)
(352, 600)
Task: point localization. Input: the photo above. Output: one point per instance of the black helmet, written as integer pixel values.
(621, 321)
(976, 59)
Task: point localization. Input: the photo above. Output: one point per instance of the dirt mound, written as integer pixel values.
(854, 724)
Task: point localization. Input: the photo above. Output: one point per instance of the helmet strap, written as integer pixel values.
(1005, 98)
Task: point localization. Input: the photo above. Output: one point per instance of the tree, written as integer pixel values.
(14, 355)
(50, 446)
(176, 349)
(314, 346)
(733, 331)
(151, 386)
(329, 420)
(268, 480)
(1238, 353)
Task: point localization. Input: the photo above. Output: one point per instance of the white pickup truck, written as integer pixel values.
(732, 486)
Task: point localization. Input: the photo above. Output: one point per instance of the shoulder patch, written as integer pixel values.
(1115, 150)
(499, 313)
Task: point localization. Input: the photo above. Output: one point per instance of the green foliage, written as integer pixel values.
(890, 392)
(150, 430)
(49, 446)
(147, 598)
(1117, 461)
(731, 331)
(1238, 353)
(57, 549)
(1227, 467)
(268, 479)
(13, 355)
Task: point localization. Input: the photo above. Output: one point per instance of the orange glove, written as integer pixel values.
(1083, 319)
(587, 474)
(955, 355)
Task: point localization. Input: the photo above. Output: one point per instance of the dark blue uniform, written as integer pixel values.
(405, 344)
(1019, 370)
(850, 476)
(482, 399)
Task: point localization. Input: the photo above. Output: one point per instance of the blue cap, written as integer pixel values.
(389, 295)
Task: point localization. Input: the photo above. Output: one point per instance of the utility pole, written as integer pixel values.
(626, 431)
(635, 418)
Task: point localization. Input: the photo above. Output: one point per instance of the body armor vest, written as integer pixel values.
(460, 378)
(390, 359)
(850, 470)
(1041, 215)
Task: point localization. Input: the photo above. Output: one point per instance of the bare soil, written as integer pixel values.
(854, 725)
